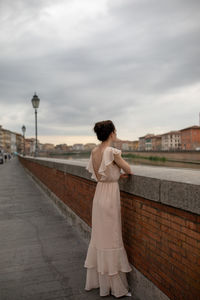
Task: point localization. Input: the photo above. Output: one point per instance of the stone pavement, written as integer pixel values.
(41, 255)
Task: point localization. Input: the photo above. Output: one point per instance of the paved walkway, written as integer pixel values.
(41, 255)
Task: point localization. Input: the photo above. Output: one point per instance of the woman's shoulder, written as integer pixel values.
(94, 150)
(108, 149)
(113, 150)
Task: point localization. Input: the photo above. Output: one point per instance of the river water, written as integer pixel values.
(140, 161)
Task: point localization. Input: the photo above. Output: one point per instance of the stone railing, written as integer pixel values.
(160, 221)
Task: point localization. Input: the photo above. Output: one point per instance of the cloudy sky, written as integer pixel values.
(136, 62)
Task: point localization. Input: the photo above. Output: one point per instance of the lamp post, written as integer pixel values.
(35, 102)
(24, 130)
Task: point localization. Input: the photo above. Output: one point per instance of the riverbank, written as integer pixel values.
(189, 157)
(159, 158)
(176, 156)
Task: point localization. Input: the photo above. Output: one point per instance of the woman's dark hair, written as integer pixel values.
(103, 129)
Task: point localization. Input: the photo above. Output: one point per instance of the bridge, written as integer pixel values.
(41, 254)
(45, 219)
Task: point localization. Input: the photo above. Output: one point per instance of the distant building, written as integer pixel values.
(89, 146)
(123, 145)
(61, 148)
(190, 138)
(6, 140)
(1, 138)
(13, 142)
(171, 140)
(141, 143)
(145, 142)
(78, 147)
(117, 144)
(157, 143)
(70, 148)
(127, 146)
(135, 145)
(148, 142)
(30, 146)
(48, 147)
(19, 143)
(40, 146)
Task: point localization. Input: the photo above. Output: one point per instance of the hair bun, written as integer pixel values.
(103, 129)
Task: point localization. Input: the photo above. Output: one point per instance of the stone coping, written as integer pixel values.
(179, 188)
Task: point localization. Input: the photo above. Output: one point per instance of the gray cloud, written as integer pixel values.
(136, 62)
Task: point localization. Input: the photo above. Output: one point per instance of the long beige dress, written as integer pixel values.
(106, 260)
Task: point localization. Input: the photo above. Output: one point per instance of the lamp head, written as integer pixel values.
(23, 129)
(35, 101)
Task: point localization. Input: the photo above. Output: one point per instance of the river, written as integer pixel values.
(139, 161)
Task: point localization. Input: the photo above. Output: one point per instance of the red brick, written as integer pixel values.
(192, 225)
(147, 214)
(192, 258)
(191, 241)
(191, 249)
(163, 221)
(176, 234)
(165, 215)
(187, 265)
(150, 209)
(177, 248)
(154, 236)
(191, 233)
(176, 227)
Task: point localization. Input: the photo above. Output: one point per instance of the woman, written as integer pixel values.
(106, 260)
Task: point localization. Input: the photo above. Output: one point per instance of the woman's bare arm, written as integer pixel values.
(122, 164)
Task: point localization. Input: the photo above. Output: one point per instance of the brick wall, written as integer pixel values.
(190, 138)
(162, 242)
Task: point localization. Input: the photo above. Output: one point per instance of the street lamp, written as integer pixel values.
(24, 130)
(35, 102)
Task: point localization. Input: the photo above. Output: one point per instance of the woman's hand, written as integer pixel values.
(125, 175)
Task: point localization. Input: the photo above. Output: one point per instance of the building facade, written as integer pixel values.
(171, 141)
(145, 142)
(128, 146)
(141, 143)
(6, 140)
(61, 148)
(117, 144)
(157, 143)
(78, 147)
(190, 138)
(19, 143)
(13, 142)
(148, 142)
(30, 146)
(89, 146)
(1, 138)
(135, 145)
(123, 145)
(47, 147)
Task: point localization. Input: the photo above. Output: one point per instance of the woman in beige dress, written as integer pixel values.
(106, 260)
